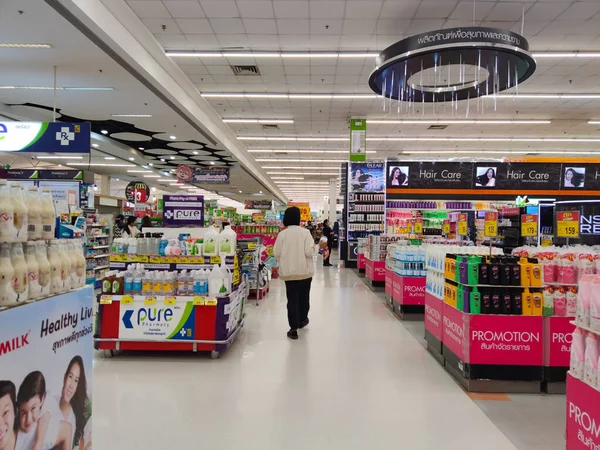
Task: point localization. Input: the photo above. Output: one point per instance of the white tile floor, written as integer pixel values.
(356, 379)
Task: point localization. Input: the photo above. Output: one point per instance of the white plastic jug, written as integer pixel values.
(227, 242)
(211, 242)
(216, 281)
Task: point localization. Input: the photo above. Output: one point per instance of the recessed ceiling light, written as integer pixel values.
(171, 157)
(10, 45)
(240, 192)
(131, 159)
(95, 145)
(60, 157)
(150, 164)
(131, 115)
(109, 157)
(140, 148)
(195, 153)
(172, 137)
(260, 192)
(145, 167)
(212, 163)
(163, 160)
(104, 131)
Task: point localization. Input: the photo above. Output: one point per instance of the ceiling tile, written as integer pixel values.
(194, 26)
(327, 9)
(228, 26)
(294, 42)
(392, 26)
(393, 9)
(544, 11)
(156, 26)
(293, 26)
(438, 9)
(464, 10)
(362, 9)
(149, 10)
(220, 8)
(256, 9)
(505, 12)
(323, 42)
(204, 42)
(233, 40)
(581, 10)
(424, 25)
(173, 41)
(260, 26)
(266, 42)
(359, 26)
(326, 26)
(185, 9)
(286, 9)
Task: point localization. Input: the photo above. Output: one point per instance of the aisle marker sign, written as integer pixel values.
(490, 227)
(529, 225)
(446, 227)
(567, 224)
(462, 224)
(358, 139)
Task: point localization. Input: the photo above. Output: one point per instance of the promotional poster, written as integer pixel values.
(46, 372)
(183, 211)
(367, 177)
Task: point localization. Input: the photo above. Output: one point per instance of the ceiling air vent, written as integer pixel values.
(245, 70)
(437, 127)
(270, 126)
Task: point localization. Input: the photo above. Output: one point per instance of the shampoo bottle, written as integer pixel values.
(590, 364)
(475, 303)
(578, 353)
(527, 302)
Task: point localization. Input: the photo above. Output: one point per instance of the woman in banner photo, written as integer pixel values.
(359, 179)
(73, 402)
(8, 414)
(486, 177)
(37, 428)
(574, 177)
(397, 177)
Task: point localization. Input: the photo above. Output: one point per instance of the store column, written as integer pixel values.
(332, 200)
(105, 185)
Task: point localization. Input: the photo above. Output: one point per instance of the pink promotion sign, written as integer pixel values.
(454, 331)
(389, 281)
(379, 271)
(369, 270)
(361, 261)
(396, 288)
(413, 291)
(510, 340)
(268, 243)
(557, 341)
(583, 416)
(434, 316)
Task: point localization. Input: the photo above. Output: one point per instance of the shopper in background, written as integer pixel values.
(294, 250)
(146, 222)
(8, 414)
(328, 233)
(118, 226)
(130, 230)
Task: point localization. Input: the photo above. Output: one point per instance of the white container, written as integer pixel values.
(7, 294)
(227, 242)
(65, 271)
(227, 275)
(34, 214)
(216, 281)
(19, 281)
(44, 268)
(211, 242)
(55, 268)
(7, 228)
(81, 261)
(20, 212)
(48, 214)
(75, 279)
(33, 271)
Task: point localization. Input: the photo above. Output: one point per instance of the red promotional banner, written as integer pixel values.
(454, 331)
(396, 288)
(583, 415)
(389, 277)
(361, 261)
(379, 270)
(434, 315)
(557, 341)
(510, 340)
(413, 291)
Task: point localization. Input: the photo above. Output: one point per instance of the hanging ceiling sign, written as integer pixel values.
(45, 137)
(258, 204)
(358, 139)
(183, 211)
(202, 175)
(137, 192)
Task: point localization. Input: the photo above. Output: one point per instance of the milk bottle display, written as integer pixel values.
(56, 285)
(34, 214)
(7, 294)
(73, 260)
(7, 229)
(77, 264)
(44, 268)
(20, 212)
(48, 214)
(65, 270)
(33, 271)
(19, 281)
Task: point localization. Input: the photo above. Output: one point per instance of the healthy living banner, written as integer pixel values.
(49, 344)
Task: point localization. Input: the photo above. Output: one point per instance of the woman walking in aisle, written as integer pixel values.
(328, 233)
(294, 251)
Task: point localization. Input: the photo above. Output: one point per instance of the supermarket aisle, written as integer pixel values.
(355, 379)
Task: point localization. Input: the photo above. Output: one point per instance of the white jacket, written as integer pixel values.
(294, 250)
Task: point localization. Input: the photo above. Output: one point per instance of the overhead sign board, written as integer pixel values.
(202, 175)
(45, 137)
(358, 139)
(183, 211)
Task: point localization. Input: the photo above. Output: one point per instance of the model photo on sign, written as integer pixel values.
(574, 177)
(485, 177)
(367, 177)
(398, 176)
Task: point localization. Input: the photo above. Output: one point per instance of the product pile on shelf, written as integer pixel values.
(406, 259)
(365, 214)
(376, 249)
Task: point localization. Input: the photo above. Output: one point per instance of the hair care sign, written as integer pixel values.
(454, 331)
(583, 416)
(510, 340)
(558, 335)
(46, 365)
(434, 318)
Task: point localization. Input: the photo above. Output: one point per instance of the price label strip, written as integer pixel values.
(149, 300)
(567, 224)
(490, 226)
(462, 225)
(106, 300)
(170, 301)
(126, 300)
(529, 225)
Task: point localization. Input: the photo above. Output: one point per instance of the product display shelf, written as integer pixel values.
(433, 317)
(170, 323)
(158, 262)
(405, 284)
(252, 266)
(97, 243)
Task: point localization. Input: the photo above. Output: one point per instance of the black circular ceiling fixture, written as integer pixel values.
(452, 64)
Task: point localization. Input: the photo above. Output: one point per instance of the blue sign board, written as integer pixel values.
(183, 211)
(45, 137)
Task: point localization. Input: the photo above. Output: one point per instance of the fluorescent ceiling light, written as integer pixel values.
(308, 174)
(131, 115)
(151, 176)
(426, 139)
(51, 88)
(101, 165)
(175, 184)
(59, 157)
(291, 138)
(299, 160)
(265, 121)
(496, 152)
(270, 54)
(95, 145)
(287, 178)
(458, 122)
(289, 96)
(212, 163)
(10, 45)
(594, 122)
(301, 167)
(139, 171)
(195, 55)
(566, 55)
(546, 96)
(109, 157)
(307, 151)
(164, 179)
(172, 137)
(131, 159)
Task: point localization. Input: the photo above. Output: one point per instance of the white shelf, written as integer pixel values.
(97, 256)
(100, 267)
(100, 246)
(96, 225)
(440, 209)
(98, 236)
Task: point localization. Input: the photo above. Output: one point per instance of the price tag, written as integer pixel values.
(251, 245)
(106, 300)
(446, 227)
(198, 301)
(462, 225)
(567, 224)
(126, 300)
(170, 301)
(490, 226)
(215, 260)
(529, 226)
(418, 227)
(149, 300)
(211, 302)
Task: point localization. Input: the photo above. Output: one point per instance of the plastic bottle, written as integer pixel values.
(65, 273)
(33, 272)
(118, 283)
(227, 242)
(44, 268)
(48, 214)
(20, 212)
(227, 276)
(527, 302)
(81, 261)
(34, 214)
(7, 273)
(71, 252)
(538, 304)
(7, 228)
(19, 281)
(590, 364)
(132, 246)
(215, 281)
(55, 268)
(162, 246)
(147, 282)
(128, 282)
(157, 284)
(182, 283)
(138, 276)
(578, 353)
(168, 284)
(211, 242)
(204, 281)
(583, 300)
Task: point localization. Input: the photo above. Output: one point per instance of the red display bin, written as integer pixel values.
(583, 415)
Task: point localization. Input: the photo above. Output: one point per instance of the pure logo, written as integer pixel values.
(147, 316)
(65, 136)
(14, 344)
(3, 131)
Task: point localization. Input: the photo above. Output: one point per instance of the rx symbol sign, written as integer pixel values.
(65, 136)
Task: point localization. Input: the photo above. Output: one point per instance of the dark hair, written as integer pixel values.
(326, 223)
(483, 179)
(577, 179)
(33, 385)
(291, 216)
(79, 400)
(146, 222)
(130, 221)
(119, 217)
(8, 388)
(401, 177)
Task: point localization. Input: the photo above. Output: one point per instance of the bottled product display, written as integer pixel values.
(584, 357)
(252, 228)
(39, 269)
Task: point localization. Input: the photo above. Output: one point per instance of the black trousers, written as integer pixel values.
(298, 301)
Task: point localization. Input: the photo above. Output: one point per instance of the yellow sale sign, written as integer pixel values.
(529, 225)
(490, 226)
(567, 224)
(304, 208)
(446, 227)
(462, 225)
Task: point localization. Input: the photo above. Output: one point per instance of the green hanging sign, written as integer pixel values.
(358, 139)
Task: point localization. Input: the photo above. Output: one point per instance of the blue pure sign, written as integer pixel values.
(183, 211)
